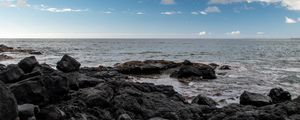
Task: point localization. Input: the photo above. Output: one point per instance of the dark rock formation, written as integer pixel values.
(12, 74)
(103, 93)
(36, 53)
(145, 67)
(255, 99)
(8, 104)
(27, 64)
(199, 70)
(203, 100)
(279, 95)
(68, 64)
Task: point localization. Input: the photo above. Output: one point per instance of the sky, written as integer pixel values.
(149, 18)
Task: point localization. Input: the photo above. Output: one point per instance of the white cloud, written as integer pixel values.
(290, 20)
(107, 12)
(170, 13)
(234, 33)
(289, 4)
(210, 9)
(59, 10)
(203, 33)
(194, 13)
(260, 33)
(203, 13)
(14, 3)
(140, 13)
(167, 2)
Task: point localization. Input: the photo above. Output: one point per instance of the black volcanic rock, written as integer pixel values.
(145, 67)
(255, 99)
(8, 104)
(187, 71)
(68, 64)
(27, 64)
(225, 67)
(203, 100)
(12, 74)
(30, 91)
(279, 95)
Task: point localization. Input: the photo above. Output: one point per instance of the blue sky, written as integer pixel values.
(149, 18)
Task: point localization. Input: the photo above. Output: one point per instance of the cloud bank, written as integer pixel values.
(289, 4)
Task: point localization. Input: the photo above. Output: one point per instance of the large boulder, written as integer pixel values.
(27, 64)
(279, 95)
(68, 64)
(12, 74)
(203, 100)
(202, 71)
(8, 104)
(255, 99)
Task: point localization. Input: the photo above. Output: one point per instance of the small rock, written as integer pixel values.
(5, 57)
(203, 100)
(8, 104)
(68, 64)
(2, 67)
(35, 53)
(279, 95)
(51, 113)
(214, 65)
(27, 64)
(124, 117)
(255, 99)
(28, 111)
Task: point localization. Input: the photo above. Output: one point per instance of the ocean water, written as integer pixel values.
(257, 64)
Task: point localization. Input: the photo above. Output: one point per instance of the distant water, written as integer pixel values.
(258, 65)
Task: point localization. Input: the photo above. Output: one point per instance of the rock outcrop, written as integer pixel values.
(255, 99)
(8, 104)
(68, 64)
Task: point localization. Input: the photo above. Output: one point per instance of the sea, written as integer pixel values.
(258, 65)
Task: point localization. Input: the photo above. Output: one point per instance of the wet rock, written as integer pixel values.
(255, 99)
(2, 67)
(12, 74)
(124, 117)
(51, 113)
(36, 53)
(28, 111)
(145, 67)
(68, 64)
(202, 71)
(279, 95)
(4, 48)
(101, 72)
(8, 104)
(5, 57)
(214, 65)
(203, 100)
(30, 91)
(27, 64)
(225, 67)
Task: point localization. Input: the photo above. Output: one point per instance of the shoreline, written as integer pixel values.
(71, 92)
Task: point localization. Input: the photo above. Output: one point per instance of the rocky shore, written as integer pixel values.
(30, 90)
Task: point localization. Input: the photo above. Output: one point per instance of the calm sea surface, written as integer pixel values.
(258, 65)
